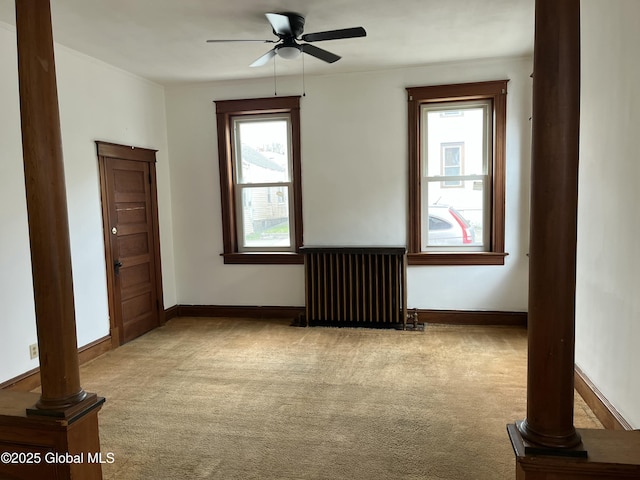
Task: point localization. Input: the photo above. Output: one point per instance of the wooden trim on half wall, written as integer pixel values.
(23, 383)
(31, 379)
(598, 403)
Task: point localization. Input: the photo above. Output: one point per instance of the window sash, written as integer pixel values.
(242, 182)
(237, 144)
(460, 106)
(457, 182)
(240, 209)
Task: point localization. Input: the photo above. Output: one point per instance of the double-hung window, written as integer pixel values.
(456, 174)
(259, 157)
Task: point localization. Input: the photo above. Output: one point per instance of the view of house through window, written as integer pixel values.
(262, 165)
(455, 172)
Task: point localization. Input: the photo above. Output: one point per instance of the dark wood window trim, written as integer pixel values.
(496, 91)
(225, 111)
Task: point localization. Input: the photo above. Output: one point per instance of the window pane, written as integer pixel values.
(265, 217)
(452, 158)
(262, 150)
(453, 217)
(456, 138)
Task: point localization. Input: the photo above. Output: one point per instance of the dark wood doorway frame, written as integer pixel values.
(141, 160)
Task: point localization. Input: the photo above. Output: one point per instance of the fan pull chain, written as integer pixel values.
(304, 91)
(275, 81)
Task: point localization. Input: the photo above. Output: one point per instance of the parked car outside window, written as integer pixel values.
(448, 227)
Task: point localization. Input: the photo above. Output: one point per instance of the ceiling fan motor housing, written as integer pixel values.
(297, 25)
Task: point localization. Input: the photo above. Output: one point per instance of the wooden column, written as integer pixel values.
(554, 198)
(47, 208)
(64, 418)
(546, 444)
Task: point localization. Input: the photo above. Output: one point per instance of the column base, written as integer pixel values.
(61, 447)
(613, 455)
(570, 446)
(61, 403)
(89, 401)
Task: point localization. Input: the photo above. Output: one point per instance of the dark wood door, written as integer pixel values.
(130, 211)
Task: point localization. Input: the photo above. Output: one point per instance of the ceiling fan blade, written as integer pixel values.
(319, 53)
(236, 40)
(280, 23)
(264, 58)
(335, 34)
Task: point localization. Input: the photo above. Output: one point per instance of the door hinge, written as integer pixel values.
(150, 181)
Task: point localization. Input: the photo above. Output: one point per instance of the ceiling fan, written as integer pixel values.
(288, 27)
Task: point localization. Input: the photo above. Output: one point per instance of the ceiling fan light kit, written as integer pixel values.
(289, 52)
(288, 27)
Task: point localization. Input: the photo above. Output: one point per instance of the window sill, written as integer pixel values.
(263, 258)
(448, 258)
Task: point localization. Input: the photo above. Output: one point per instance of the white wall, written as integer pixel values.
(354, 169)
(607, 299)
(17, 322)
(97, 102)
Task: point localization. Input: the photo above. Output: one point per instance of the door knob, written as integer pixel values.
(116, 265)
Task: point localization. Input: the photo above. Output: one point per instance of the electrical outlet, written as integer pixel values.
(33, 351)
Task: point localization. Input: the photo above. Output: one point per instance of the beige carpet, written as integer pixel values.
(241, 399)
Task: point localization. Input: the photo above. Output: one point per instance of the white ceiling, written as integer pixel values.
(165, 40)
